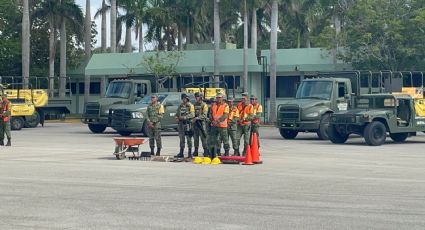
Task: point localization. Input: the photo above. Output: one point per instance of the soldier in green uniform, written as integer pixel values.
(255, 122)
(218, 116)
(199, 123)
(244, 123)
(154, 115)
(5, 115)
(184, 116)
(232, 126)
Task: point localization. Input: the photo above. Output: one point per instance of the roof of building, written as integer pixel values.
(196, 61)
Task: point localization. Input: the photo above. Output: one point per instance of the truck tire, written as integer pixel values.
(335, 136)
(17, 123)
(32, 121)
(375, 133)
(399, 137)
(322, 132)
(95, 128)
(288, 134)
(124, 133)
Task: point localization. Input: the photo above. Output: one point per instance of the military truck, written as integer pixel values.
(373, 116)
(325, 93)
(129, 119)
(97, 114)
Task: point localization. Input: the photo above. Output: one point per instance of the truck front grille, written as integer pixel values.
(343, 119)
(289, 113)
(92, 110)
(119, 117)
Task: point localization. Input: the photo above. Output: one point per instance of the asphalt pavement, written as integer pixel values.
(63, 177)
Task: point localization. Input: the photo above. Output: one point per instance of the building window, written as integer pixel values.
(94, 88)
(286, 86)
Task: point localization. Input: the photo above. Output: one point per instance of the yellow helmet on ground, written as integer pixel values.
(206, 161)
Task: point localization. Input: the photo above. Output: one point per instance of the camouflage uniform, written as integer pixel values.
(199, 124)
(232, 127)
(219, 132)
(244, 123)
(255, 122)
(5, 116)
(154, 115)
(184, 115)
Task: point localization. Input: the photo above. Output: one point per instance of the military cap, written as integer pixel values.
(244, 94)
(198, 94)
(219, 95)
(230, 99)
(253, 97)
(184, 96)
(154, 95)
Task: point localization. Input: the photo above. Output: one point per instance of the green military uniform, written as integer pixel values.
(255, 122)
(184, 116)
(244, 123)
(218, 116)
(199, 125)
(232, 127)
(5, 116)
(154, 115)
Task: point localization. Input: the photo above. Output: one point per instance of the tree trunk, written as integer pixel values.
(216, 41)
(128, 47)
(113, 26)
(180, 38)
(273, 50)
(52, 41)
(141, 38)
(62, 67)
(245, 49)
(254, 30)
(87, 49)
(188, 30)
(337, 22)
(103, 29)
(25, 44)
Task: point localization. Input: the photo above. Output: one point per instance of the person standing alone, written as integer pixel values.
(154, 115)
(5, 115)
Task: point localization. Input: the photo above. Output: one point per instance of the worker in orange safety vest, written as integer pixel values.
(255, 121)
(218, 117)
(246, 113)
(5, 116)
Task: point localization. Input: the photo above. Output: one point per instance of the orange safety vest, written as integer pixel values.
(257, 108)
(233, 113)
(243, 113)
(5, 107)
(217, 112)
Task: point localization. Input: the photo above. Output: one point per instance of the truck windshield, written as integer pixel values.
(147, 99)
(118, 90)
(315, 89)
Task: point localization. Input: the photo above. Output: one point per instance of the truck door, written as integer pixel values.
(140, 91)
(342, 101)
(170, 103)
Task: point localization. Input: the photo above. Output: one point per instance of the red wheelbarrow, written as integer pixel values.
(128, 144)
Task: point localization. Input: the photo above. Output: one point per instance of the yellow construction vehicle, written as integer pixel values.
(209, 93)
(26, 104)
(417, 94)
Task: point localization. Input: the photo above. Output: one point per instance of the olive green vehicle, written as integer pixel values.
(373, 116)
(319, 97)
(128, 119)
(97, 114)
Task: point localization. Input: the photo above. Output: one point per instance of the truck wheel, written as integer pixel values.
(145, 129)
(322, 132)
(32, 121)
(97, 128)
(16, 123)
(124, 133)
(288, 134)
(375, 133)
(335, 136)
(399, 137)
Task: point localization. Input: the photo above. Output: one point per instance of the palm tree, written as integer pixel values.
(101, 12)
(25, 43)
(113, 26)
(273, 50)
(216, 39)
(245, 47)
(87, 49)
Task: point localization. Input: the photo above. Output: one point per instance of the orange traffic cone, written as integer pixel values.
(248, 156)
(254, 149)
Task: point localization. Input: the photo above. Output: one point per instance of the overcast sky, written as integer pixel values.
(95, 5)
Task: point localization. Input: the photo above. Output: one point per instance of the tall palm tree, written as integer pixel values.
(87, 49)
(216, 39)
(25, 43)
(245, 47)
(113, 26)
(273, 50)
(101, 12)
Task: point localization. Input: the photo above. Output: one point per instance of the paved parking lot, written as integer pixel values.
(62, 177)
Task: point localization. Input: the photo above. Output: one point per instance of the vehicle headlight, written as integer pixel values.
(313, 114)
(107, 111)
(138, 115)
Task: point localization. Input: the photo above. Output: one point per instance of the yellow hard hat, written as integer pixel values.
(216, 161)
(197, 160)
(206, 161)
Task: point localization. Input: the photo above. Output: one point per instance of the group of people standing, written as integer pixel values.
(210, 125)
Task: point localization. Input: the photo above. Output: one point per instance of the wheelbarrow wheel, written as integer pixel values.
(120, 156)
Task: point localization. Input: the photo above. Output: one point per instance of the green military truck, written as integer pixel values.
(373, 116)
(319, 97)
(97, 114)
(129, 119)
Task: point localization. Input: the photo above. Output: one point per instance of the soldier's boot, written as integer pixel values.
(9, 142)
(237, 153)
(158, 151)
(195, 153)
(180, 155)
(226, 152)
(212, 153)
(206, 153)
(189, 153)
(152, 151)
(1, 143)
